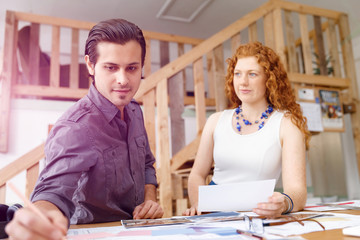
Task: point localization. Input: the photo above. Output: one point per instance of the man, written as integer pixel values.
(99, 166)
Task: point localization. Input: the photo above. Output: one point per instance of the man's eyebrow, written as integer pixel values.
(115, 64)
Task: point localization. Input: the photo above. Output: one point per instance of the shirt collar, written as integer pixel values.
(103, 104)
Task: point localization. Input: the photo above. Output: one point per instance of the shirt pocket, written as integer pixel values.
(141, 152)
(115, 166)
(140, 144)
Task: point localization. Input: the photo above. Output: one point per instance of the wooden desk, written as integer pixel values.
(335, 234)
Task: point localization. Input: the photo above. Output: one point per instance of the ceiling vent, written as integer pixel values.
(182, 10)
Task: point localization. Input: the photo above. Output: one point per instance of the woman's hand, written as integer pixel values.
(191, 212)
(273, 208)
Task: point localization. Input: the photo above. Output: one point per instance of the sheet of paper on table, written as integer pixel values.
(242, 196)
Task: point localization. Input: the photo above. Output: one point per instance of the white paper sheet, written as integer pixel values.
(242, 196)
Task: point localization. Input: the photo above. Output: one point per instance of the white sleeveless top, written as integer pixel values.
(250, 157)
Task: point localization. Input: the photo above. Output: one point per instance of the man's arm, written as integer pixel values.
(27, 225)
(149, 208)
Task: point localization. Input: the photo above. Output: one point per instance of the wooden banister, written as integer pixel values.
(201, 49)
(29, 161)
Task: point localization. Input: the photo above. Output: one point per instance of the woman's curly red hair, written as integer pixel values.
(278, 88)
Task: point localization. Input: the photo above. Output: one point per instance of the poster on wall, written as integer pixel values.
(331, 110)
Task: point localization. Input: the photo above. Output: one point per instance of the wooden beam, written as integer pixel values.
(219, 74)
(32, 175)
(203, 48)
(26, 161)
(199, 88)
(235, 42)
(210, 73)
(2, 193)
(149, 103)
(253, 36)
(74, 64)
(44, 91)
(191, 101)
(306, 48)
(55, 57)
(319, 80)
(269, 30)
(8, 77)
(350, 72)
(320, 46)
(290, 39)
(163, 148)
(64, 22)
(333, 47)
(279, 36)
(34, 54)
(306, 9)
(185, 154)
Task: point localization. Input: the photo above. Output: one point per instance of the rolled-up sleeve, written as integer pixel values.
(150, 173)
(69, 152)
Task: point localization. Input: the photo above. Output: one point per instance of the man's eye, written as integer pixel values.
(111, 68)
(132, 68)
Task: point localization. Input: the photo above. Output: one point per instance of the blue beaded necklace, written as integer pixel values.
(264, 115)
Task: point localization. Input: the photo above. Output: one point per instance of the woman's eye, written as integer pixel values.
(252, 74)
(237, 74)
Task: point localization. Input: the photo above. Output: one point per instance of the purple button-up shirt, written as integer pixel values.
(96, 164)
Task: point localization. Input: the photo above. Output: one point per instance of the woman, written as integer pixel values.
(265, 133)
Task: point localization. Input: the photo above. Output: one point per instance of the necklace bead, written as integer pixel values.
(264, 115)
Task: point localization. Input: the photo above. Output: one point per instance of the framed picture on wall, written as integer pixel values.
(331, 109)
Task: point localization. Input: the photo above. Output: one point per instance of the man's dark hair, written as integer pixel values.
(117, 31)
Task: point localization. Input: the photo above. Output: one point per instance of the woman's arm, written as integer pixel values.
(293, 164)
(203, 163)
(293, 173)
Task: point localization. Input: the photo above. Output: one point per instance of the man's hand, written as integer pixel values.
(148, 209)
(28, 225)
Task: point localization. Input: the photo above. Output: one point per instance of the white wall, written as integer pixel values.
(29, 123)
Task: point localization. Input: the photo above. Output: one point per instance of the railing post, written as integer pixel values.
(219, 68)
(199, 94)
(3, 193)
(8, 75)
(55, 57)
(350, 72)
(74, 64)
(32, 175)
(163, 146)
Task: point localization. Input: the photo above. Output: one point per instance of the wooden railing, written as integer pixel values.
(28, 162)
(32, 64)
(297, 54)
(284, 26)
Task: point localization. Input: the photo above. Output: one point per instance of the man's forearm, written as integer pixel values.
(150, 192)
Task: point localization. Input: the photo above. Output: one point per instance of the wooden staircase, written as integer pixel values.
(293, 30)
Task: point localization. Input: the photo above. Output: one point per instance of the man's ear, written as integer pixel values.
(89, 65)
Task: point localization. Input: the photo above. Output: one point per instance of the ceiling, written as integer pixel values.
(211, 17)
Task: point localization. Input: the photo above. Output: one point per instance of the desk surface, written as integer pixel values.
(335, 234)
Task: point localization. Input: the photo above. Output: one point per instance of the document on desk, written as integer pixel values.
(242, 196)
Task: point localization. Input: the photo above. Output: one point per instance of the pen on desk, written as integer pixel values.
(29, 204)
(250, 234)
